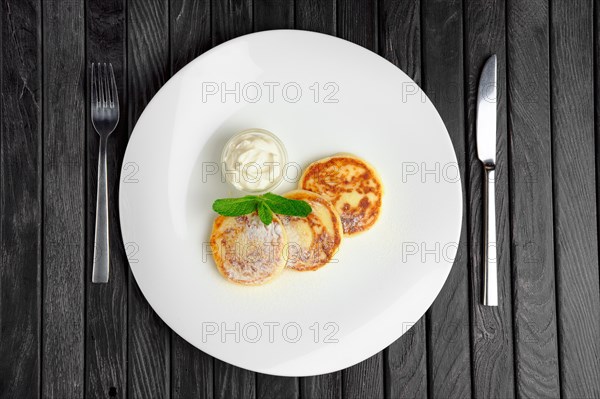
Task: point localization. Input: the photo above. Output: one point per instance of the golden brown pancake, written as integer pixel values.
(247, 251)
(351, 185)
(312, 240)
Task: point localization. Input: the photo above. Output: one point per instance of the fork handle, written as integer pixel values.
(101, 249)
(490, 270)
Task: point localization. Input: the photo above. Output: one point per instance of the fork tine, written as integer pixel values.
(115, 92)
(100, 86)
(106, 88)
(94, 94)
(105, 85)
(109, 94)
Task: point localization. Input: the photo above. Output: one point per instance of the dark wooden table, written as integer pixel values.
(63, 337)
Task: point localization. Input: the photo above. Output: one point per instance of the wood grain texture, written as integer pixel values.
(20, 200)
(491, 327)
(233, 382)
(191, 369)
(64, 67)
(365, 379)
(399, 39)
(148, 67)
(273, 14)
(318, 16)
(190, 31)
(399, 34)
(597, 101)
(356, 23)
(575, 206)
(448, 335)
(275, 387)
(405, 363)
(534, 302)
(232, 18)
(106, 313)
(597, 91)
(325, 386)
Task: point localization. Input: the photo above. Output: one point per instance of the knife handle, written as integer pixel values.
(490, 270)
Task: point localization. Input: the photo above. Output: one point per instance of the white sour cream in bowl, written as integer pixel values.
(253, 161)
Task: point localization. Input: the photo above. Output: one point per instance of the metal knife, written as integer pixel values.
(486, 151)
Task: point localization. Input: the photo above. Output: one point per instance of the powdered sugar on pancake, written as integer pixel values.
(246, 250)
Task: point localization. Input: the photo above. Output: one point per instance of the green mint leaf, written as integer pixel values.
(265, 205)
(286, 206)
(264, 213)
(236, 206)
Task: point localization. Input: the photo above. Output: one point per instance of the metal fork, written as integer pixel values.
(105, 116)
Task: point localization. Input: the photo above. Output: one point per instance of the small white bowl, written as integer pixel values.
(275, 181)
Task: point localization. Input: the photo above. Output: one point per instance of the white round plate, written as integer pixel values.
(320, 95)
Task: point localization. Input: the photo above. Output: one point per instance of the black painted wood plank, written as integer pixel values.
(534, 302)
(575, 212)
(318, 16)
(20, 199)
(106, 310)
(399, 34)
(491, 327)
(274, 14)
(148, 67)
(190, 31)
(448, 335)
(191, 369)
(597, 100)
(405, 361)
(64, 68)
(230, 19)
(325, 386)
(233, 382)
(274, 387)
(365, 379)
(356, 22)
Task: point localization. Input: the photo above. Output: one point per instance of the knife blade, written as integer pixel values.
(486, 152)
